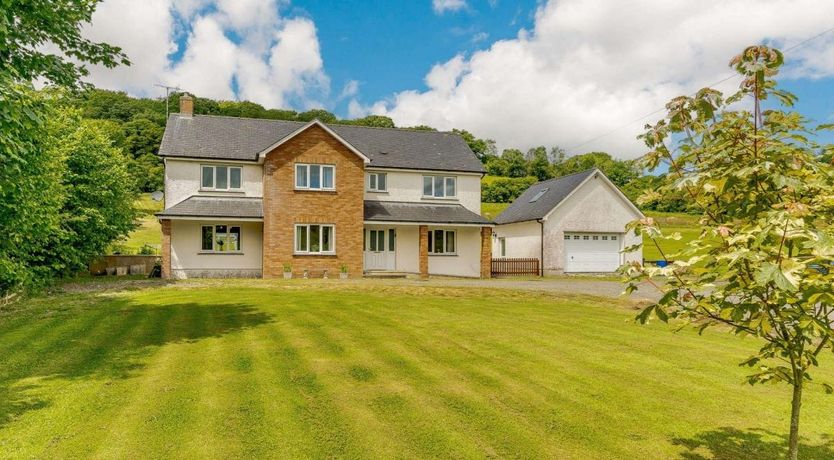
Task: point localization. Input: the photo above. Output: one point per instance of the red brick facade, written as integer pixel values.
(284, 206)
(166, 247)
(486, 252)
(424, 251)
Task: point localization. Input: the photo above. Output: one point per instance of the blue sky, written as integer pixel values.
(388, 46)
(570, 73)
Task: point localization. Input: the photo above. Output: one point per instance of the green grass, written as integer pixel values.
(149, 231)
(314, 369)
(491, 210)
(671, 222)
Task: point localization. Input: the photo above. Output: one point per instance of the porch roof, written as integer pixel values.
(216, 206)
(429, 213)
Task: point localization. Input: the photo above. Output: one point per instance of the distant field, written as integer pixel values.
(149, 231)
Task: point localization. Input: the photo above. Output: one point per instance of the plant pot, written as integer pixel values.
(287, 275)
(343, 276)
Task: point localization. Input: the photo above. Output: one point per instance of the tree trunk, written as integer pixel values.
(796, 404)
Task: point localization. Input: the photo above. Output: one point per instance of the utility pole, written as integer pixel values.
(168, 90)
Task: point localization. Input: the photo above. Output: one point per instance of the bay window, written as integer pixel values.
(315, 239)
(442, 242)
(315, 176)
(220, 238)
(440, 186)
(220, 177)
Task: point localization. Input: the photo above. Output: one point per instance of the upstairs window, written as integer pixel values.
(442, 242)
(377, 182)
(220, 177)
(440, 186)
(315, 177)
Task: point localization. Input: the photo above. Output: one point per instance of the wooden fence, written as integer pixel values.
(515, 267)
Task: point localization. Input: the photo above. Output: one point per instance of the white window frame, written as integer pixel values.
(445, 180)
(306, 228)
(372, 184)
(214, 226)
(213, 187)
(445, 241)
(306, 185)
(502, 246)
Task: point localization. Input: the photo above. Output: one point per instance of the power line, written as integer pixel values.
(729, 77)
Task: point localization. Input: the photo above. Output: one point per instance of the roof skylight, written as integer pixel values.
(539, 195)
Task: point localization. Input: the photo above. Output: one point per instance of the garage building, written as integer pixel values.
(573, 224)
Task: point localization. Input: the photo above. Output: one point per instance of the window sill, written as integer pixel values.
(316, 190)
(314, 254)
(443, 255)
(211, 190)
(377, 191)
(434, 198)
(221, 253)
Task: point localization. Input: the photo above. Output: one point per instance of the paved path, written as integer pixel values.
(602, 287)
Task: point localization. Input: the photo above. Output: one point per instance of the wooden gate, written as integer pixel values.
(520, 266)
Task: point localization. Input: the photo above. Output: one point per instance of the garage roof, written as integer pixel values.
(538, 200)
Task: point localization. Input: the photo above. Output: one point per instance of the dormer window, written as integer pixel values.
(220, 177)
(315, 177)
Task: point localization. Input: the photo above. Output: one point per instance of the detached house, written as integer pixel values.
(245, 197)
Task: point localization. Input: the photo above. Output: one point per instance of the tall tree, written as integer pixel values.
(516, 164)
(482, 148)
(26, 26)
(762, 266)
(538, 164)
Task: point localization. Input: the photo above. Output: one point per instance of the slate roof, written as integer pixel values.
(231, 138)
(432, 213)
(216, 206)
(556, 190)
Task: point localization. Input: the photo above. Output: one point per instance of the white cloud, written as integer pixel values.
(233, 49)
(590, 66)
(144, 32)
(350, 89)
(442, 6)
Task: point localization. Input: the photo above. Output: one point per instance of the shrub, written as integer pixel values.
(504, 189)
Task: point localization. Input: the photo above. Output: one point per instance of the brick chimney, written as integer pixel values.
(186, 105)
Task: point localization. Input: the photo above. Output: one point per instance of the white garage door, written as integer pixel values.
(592, 252)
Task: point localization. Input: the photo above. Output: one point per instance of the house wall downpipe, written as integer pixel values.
(541, 248)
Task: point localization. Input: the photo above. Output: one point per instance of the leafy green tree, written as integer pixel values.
(762, 266)
(421, 128)
(538, 164)
(27, 25)
(323, 116)
(620, 172)
(99, 194)
(504, 189)
(375, 121)
(516, 164)
(496, 166)
(481, 147)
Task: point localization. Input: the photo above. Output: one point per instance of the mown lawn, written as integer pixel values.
(313, 369)
(671, 222)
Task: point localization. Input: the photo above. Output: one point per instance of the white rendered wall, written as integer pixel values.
(467, 262)
(594, 207)
(523, 240)
(182, 180)
(187, 259)
(408, 186)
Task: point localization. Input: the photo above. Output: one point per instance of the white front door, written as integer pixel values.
(592, 252)
(380, 249)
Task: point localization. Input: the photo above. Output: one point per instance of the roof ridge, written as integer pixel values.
(336, 123)
(567, 175)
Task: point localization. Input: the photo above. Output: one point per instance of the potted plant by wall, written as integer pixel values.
(343, 271)
(287, 271)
